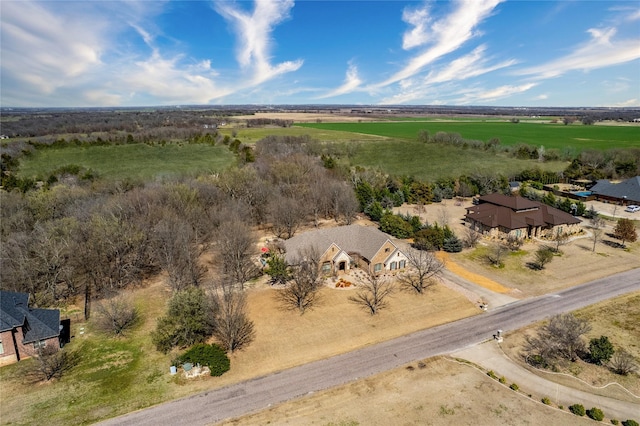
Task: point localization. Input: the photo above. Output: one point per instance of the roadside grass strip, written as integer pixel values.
(470, 276)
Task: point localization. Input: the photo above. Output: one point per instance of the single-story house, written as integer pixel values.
(625, 193)
(25, 330)
(502, 216)
(345, 247)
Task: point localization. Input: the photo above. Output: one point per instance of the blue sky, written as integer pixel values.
(469, 52)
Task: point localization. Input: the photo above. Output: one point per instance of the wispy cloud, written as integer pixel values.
(254, 32)
(443, 36)
(351, 82)
(465, 67)
(480, 96)
(602, 50)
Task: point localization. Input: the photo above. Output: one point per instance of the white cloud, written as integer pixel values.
(479, 96)
(628, 103)
(446, 34)
(599, 52)
(418, 35)
(45, 50)
(351, 82)
(254, 31)
(465, 67)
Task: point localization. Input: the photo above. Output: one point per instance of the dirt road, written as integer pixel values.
(262, 392)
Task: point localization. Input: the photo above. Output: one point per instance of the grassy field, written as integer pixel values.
(431, 161)
(576, 137)
(136, 161)
(119, 375)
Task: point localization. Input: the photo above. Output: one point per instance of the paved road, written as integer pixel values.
(490, 356)
(262, 392)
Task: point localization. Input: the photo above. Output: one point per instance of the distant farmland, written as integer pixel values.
(576, 137)
(135, 161)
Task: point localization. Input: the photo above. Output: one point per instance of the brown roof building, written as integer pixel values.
(502, 215)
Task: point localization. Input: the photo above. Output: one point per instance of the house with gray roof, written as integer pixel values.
(25, 330)
(345, 247)
(625, 193)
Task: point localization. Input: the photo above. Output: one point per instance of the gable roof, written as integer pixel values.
(365, 240)
(38, 324)
(629, 189)
(497, 210)
(514, 203)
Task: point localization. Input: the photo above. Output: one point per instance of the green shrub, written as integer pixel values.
(630, 423)
(614, 422)
(600, 350)
(502, 380)
(561, 407)
(577, 409)
(212, 356)
(514, 387)
(546, 401)
(595, 414)
(491, 374)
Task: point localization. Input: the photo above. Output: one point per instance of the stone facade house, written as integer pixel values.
(25, 330)
(346, 247)
(501, 216)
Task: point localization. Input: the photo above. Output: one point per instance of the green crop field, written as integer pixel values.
(136, 161)
(576, 137)
(431, 161)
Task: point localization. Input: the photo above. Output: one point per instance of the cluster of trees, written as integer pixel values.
(87, 121)
(69, 240)
(609, 164)
(561, 339)
(377, 192)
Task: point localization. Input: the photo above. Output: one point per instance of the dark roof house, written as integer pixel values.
(627, 192)
(21, 325)
(517, 215)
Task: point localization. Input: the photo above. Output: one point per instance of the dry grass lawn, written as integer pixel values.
(618, 319)
(437, 392)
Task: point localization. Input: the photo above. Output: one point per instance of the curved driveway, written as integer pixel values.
(256, 394)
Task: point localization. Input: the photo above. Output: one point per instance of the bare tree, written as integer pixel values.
(52, 362)
(560, 239)
(236, 247)
(373, 293)
(496, 254)
(560, 338)
(231, 326)
(513, 242)
(116, 315)
(623, 363)
(178, 252)
(287, 214)
(471, 237)
(424, 269)
(301, 292)
(597, 229)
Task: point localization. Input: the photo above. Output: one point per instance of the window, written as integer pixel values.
(386, 250)
(394, 266)
(403, 264)
(1, 348)
(518, 233)
(377, 267)
(40, 345)
(326, 267)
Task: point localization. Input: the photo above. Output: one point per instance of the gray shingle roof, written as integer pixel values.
(364, 240)
(40, 324)
(629, 189)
